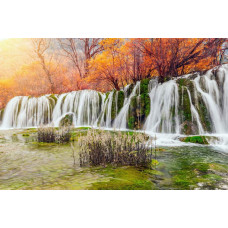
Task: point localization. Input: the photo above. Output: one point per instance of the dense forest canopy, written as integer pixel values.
(45, 66)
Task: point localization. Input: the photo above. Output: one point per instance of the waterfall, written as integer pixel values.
(191, 104)
(84, 105)
(121, 119)
(163, 116)
(27, 112)
(195, 115)
(211, 99)
(107, 111)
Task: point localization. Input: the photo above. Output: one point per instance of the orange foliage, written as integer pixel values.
(111, 63)
(172, 57)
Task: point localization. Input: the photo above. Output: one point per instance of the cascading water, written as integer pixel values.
(121, 119)
(192, 104)
(85, 105)
(27, 112)
(208, 89)
(195, 115)
(106, 120)
(163, 116)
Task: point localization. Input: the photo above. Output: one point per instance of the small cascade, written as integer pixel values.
(84, 104)
(28, 112)
(106, 117)
(121, 119)
(207, 87)
(116, 102)
(195, 115)
(163, 115)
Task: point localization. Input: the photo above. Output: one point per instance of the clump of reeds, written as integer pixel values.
(50, 134)
(116, 148)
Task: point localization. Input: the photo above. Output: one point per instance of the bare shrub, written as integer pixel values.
(118, 148)
(50, 134)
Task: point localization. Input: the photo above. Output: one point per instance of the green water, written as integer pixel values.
(25, 164)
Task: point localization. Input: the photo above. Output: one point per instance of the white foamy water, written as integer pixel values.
(92, 108)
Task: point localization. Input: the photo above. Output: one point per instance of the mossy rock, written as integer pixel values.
(144, 86)
(183, 81)
(195, 139)
(66, 121)
(189, 128)
(1, 115)
(120, 100)
(139, 107)
(114, 105)
(134, 113)
(184, 105)
(129, 90)
(131, 122)
(54, 98)
(145, 105)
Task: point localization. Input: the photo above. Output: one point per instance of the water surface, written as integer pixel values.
(26, 164)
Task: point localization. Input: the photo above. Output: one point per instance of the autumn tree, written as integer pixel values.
(119, 64)
(138, 68)
(7, 88)
(40, 48)
(80, 51)
(105, 69)
(31, 80)
(63, 65)
(176, 56)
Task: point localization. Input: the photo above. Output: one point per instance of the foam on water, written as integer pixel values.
(92, 108)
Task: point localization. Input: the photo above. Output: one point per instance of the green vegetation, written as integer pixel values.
(82, 128)
(113, 109)
(123, 178)
(53, 97)
(139, 107)
(194, 167)
(120, 100)
(184, 107)
(144, 99)
(131, 122)
(195, 139)
(133, 113)
(66, 121)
